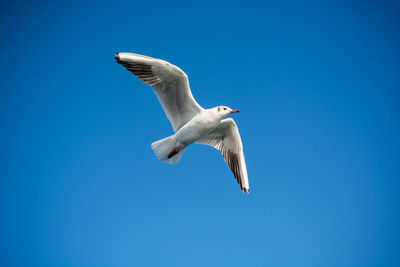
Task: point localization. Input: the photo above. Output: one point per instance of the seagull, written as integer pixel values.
(190, 122)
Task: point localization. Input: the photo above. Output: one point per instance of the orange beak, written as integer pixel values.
(234, 111)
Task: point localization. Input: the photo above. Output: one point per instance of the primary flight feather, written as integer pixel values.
(191, 122)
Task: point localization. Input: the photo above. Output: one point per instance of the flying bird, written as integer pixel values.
(191, 122)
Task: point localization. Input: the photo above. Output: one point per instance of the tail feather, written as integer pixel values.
(162, 148)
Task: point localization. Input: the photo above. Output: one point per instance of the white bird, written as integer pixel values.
(191, 122)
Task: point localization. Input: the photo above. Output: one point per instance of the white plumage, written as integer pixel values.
(191, 122)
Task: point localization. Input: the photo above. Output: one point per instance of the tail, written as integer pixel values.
(164, 148)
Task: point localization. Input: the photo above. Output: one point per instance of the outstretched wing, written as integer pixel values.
(169, 82)
(226, 138)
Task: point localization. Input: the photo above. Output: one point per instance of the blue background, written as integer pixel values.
(317, 85)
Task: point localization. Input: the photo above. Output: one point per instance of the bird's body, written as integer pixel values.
(199, 126)
(191, 122)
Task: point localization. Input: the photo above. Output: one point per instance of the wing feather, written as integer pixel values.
(226, 138)
(169, 83)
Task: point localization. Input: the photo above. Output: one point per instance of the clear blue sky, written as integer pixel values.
(318, 88)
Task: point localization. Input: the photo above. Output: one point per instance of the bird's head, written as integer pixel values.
(224, 111)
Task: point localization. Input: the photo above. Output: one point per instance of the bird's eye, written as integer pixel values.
(224, 108)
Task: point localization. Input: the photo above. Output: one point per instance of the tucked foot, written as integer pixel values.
(173, 152)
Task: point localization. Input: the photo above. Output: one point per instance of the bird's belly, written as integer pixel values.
(194, 130)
